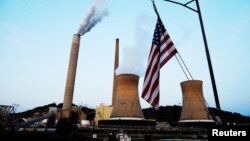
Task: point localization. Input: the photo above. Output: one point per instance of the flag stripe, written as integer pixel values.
(155, 90)
(151, 77)
(152, 60)
(165, 39)
(153, 84)
(162, 50)
(156, 102)
(168, 57)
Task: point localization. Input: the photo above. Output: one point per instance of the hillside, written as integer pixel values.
(165, 114)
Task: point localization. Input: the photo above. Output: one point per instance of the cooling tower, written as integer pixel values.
(116, 64)
(70, 83)
(127, 104)
(194, 108)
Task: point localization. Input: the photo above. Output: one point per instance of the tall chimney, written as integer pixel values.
(70, 83)
(127, 102)
(193, 104)
(116, 64)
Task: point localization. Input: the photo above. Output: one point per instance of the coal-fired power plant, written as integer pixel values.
(127, 102)
(70, 82)
(194, 108)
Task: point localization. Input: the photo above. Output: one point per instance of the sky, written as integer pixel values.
(36, 37)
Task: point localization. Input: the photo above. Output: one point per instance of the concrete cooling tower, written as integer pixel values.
(127, 104)
(125, 100)
(194, 108)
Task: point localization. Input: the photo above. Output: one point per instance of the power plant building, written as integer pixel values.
(102, 112)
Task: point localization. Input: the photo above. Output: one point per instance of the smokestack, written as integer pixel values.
(127, 102)
(193, 104)
(116, 64)
(70, 83)
(92, 18)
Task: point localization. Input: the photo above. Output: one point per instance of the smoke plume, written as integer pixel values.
(93, 16)
(134, 57)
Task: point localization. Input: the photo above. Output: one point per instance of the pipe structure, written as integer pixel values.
(70, 83)
(116, 64)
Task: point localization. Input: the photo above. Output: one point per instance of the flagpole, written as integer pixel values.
(205, 44)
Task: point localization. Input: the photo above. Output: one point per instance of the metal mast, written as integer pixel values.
(205, 44)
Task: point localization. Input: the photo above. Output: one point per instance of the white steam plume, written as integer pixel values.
(93, 17)
(134, 59)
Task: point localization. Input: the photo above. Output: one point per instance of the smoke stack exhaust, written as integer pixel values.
(70, 83)
(116, 65)
(93, 17)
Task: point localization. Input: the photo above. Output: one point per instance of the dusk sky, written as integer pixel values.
(36, 37)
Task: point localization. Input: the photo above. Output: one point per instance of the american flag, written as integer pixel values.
(162, 50)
